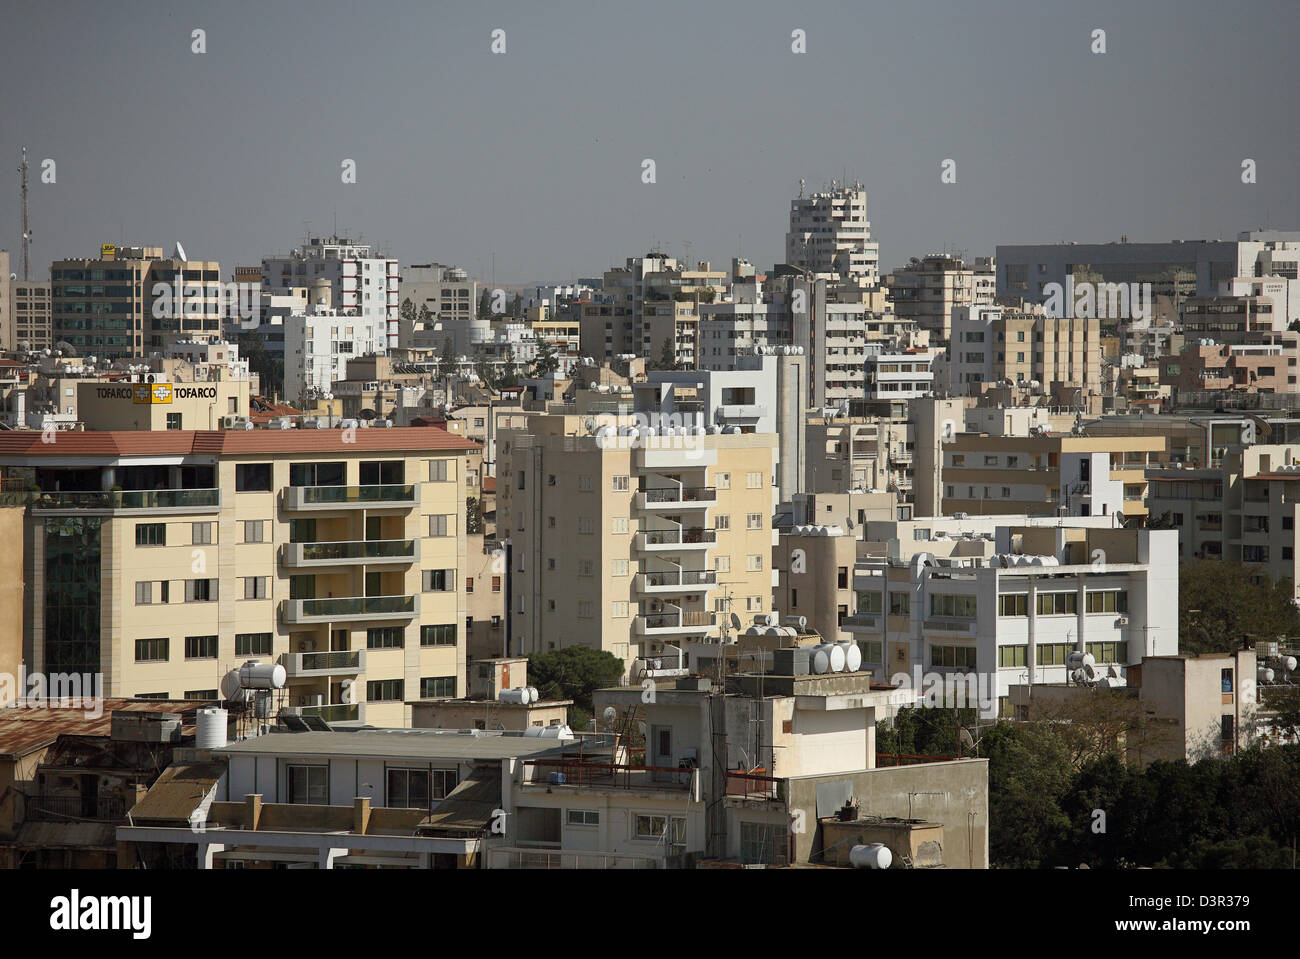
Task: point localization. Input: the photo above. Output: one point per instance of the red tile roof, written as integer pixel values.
(114, 443)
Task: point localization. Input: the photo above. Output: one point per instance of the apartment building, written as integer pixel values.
(994, 345)
(1009, 598)
(631, 542)
(1043, 473)
(1267, 365)
(320, 341)
(131, 300)
(926, 291)
(165, 559)
(361, 283)
(29, 306)
(899, 373)
(859, 453)
(830, 236)
(452, 301)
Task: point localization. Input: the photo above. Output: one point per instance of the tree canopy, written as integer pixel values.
(1219, 605)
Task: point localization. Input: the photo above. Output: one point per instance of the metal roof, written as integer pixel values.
(398, 744)
(23, 730)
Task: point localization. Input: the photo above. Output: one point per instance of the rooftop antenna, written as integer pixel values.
(27, 228)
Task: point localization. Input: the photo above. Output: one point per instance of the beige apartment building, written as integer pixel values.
(29, 309)
(858, 452)
(147, 404)
(993, 345)
(164, 559)
(633, 544)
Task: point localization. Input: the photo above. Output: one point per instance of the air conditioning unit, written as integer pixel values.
(1122, 621)
(229, 422)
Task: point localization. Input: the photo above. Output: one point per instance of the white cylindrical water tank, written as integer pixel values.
(210, 728)
(837, 657)
(1288, 663)
(1265, 674)
(517, 696)
(797, 621)
(532, 694)
(230, 688)
(255, 675)
(874, 856)
(1078, 660)
(819, 661)
(852, 657)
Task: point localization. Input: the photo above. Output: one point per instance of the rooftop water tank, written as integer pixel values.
(874, 856)
(210, 728)
(255, 675)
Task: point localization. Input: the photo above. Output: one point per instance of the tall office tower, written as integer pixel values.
(830, 236)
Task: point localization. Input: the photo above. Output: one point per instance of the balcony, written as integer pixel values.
(349, 609)
(332, 713)
(349, 553)
(858, 621)
(673, 621)
(338, 663)
(676, 581)
(550, 773)
(158, 501)
(741, 411)
(73, 808)
(675, 539)
(394, 496)
(677, 497)
(959, 627)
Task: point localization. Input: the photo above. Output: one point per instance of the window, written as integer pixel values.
(953, 657)
(469, 584)
(753, 481)
(151, 650)
(254, 531)
(584, 526)
(1013, 604)
(754, 521)
(722, 564)
(380, 472)
(582, 817)
(252, 477)
(150, 534)
(443, 525)
(1057, 604)
(316, 474)
(584, 483)
(255, 587)
(900, 604)
(584, 609)
(722, 523)
(618, 524)
(408, 789)
(433, 687)
(442, 471)
(722, 481)
(496, 584)
(151, 591)
(1052, 654)
(618, 610)
(873, 650)
(1109, 652)
(754, 562)
(439, 580)
(585, 567)
(302, 586)
(173, 421)
(202, 534)
(869, 602)
(200, 591)
(200, 694)
(200, 647)
(1011, 655)
(386, 637)
(442, 634)
(384, 690)
(763, 843)
(950, 605)
(1225, 677)
(252, 644)
(309, 785)
(1107, 601)
(619, 484)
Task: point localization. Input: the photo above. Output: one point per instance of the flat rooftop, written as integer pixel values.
(399, 744)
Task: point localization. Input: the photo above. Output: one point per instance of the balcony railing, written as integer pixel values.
(351, 551)
(70, 808)
(113, 500)
(337, 661)
(685, 494)
(350, 607)
(557, 772)
(335, 712)
(681, 578)
(335, 497)
(678, 537)
(678, 620)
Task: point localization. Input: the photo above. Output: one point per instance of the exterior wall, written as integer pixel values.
(11, 593)
(135, 406)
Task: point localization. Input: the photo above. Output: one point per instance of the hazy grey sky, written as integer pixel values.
(535, 155)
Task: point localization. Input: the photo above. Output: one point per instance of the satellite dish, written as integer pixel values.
(848, 522)
(735, 621)
(180, 253)
(610, 714)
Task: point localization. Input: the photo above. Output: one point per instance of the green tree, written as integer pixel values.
(270, 371)
(1029, 776)
(546, 363)
(447, 363)
(1219, 605)
(574, 672)
(473, 516)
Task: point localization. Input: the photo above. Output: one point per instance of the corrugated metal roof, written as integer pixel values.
(65, 835)
(115, 443)
(471, 804)
(23, 730)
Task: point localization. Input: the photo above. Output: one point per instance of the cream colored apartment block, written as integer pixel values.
(164, 560)
(629, 543)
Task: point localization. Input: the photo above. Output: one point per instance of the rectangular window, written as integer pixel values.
(408, 789)
(152, 591)
(202, 533)
(439, 580)
(1013, 604)
(618, 524)
(308, 785)
(582, 817)
(722, 523)
(384, 690)
(385, 637)
(900, 604)
(754, 521)
(443, 525)
(255, 587)
(200, 694)
(753, 481)
(442, 471)
(150, 534)
(946, 604)
(619, 484)
(1107, 601)
(151, 650)
(254, 531)
(200, 591)
(436, 687)
(252, 644)
(722, 481)
(441, 634)
(754, 562)
(1057, 604)
(1011, 655)
(200, 647)
(252, 477)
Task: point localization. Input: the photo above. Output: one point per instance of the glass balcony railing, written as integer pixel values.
(359, 606)
(148, 499)
(325, 495)
(359, 550)
(685, 494)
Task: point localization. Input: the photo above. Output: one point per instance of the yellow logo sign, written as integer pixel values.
(107, 250)
(153, 393)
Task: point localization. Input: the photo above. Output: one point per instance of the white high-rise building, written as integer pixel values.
(830, 236)
(362, 285)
